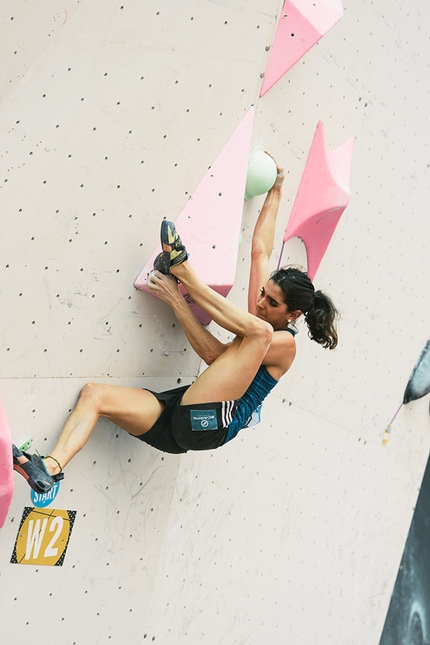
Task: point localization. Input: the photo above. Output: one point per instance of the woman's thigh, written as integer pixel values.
(230, 375)
(132, 409)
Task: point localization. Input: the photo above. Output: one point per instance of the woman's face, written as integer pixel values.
(271, 306)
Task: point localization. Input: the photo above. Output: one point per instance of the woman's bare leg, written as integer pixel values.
(230, 375)
(132, 409)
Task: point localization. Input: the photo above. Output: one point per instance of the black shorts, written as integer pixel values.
(201, 426)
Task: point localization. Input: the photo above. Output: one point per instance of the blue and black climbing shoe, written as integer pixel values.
(173, 253)
(32, 468)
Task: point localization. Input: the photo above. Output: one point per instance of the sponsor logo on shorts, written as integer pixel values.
(203, 420)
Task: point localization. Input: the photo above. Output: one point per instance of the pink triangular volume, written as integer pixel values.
(210, 222)
(322, 197)
(302, 24)
(6, 468)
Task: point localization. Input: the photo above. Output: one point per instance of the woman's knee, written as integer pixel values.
(92, 394)
(263, 330)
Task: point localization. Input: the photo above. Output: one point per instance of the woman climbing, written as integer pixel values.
(240, 374)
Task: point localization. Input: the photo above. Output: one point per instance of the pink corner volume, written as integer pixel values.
(322, 197)
(210, 222)
(6, 467)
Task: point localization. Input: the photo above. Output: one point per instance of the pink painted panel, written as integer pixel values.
(322, 197)
(301, 25)
(210, 223)
(6, 467)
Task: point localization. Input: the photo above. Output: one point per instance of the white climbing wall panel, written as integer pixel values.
(110, 116)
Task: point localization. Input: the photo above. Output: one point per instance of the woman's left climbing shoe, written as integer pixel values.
(34, 471)
(174, 252)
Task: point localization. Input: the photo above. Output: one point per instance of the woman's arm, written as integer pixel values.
(262, 241)
(201, 340)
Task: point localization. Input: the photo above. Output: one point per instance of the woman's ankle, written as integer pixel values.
(52, 465)
(179, 269)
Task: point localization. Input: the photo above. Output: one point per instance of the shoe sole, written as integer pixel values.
(168, 235)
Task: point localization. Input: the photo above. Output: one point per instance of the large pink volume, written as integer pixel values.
(210, 223)
(301, 25)
(322, 197)
(6, 467)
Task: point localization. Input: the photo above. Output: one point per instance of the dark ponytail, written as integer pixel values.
(318, 309)
(320, 319)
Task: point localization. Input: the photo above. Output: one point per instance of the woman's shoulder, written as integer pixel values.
(280, 354)
(286, 334)
(292, 331)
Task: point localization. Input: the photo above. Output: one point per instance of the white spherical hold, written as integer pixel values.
(261, 173)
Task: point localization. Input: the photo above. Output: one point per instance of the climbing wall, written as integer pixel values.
(111, 115)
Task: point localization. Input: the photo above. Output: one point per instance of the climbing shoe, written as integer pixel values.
(34, 471)
(173, 253)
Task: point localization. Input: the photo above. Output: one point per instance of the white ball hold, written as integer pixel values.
(261, 173)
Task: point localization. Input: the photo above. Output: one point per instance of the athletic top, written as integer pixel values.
(249, 405)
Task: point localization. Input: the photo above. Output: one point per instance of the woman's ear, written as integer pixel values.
(293, 315)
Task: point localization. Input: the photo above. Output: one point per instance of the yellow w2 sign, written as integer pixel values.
(43, 536)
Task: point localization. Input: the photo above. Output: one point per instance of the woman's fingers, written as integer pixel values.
(280, 174)
(164, 286)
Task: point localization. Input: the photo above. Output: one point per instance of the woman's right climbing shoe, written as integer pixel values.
(173, 253)
(34, 471)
